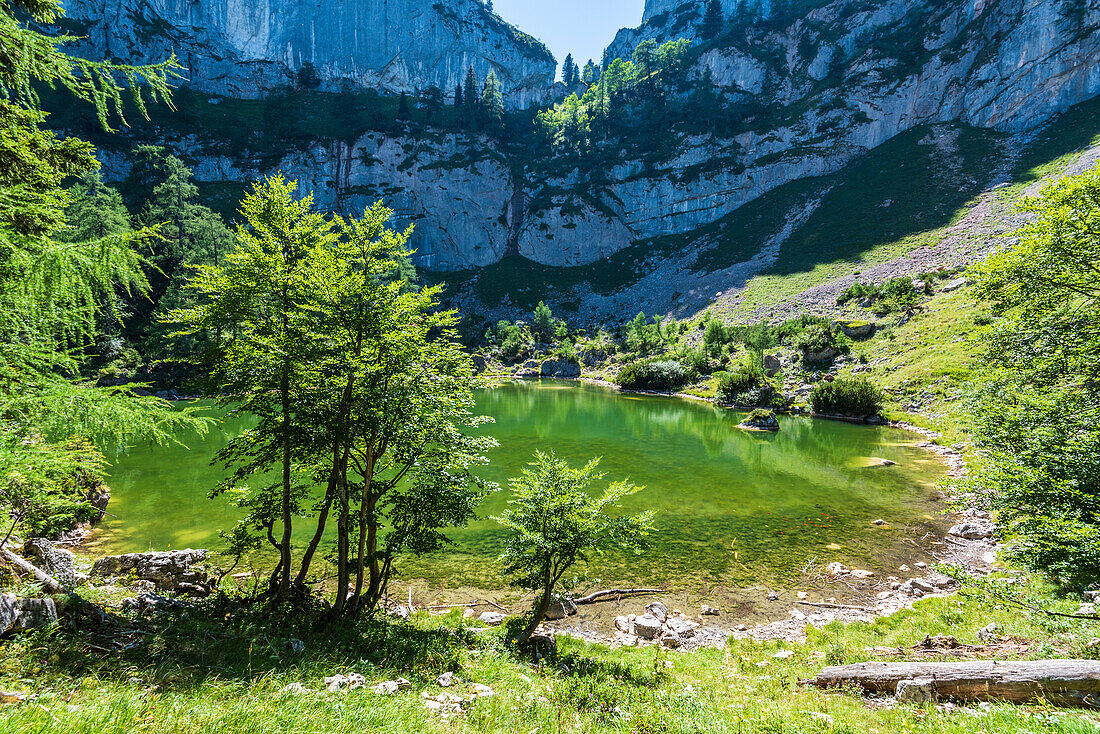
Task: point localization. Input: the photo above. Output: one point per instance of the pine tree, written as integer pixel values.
(492, 99)
(469, 94)
(458, 98)
(591, 73)
(568, 70)
(712, 20)
(96, 211)
(403, 111)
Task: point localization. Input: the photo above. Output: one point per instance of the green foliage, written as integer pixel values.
(53, 293)
(578, 123)
(859, 397)
(553, 521)
(660, 375)
(358, 384)
(747, 385)
(542, 323)
(1036, 401)
(896, 294)
(712, 20)
(643, 336)
(819, 338)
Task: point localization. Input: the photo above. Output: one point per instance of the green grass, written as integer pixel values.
(224, 668)
(1056, 146)
(852, 228)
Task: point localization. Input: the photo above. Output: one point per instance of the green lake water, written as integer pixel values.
(733, 507)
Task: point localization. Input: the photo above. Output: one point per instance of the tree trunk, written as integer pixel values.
(284, 389)
(315, 541)
(539, 612)
(342, 540)
(1060, 682)
(368, 527)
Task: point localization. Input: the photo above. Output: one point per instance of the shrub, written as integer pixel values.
(715, 337)
(858, 292)
(653, 375)
(821, 337)
(847, 397)
(746, 385)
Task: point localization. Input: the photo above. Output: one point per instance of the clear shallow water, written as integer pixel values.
(733, 507)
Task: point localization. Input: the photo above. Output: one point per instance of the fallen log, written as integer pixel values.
(48, 581)
(608, 593)
(1060, 682)
(825, 605)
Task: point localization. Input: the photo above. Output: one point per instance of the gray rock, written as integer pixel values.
(954, 285)
(857, 329)
(565, 368)
(681, 627)
(658, 610)
(493, 619)
(772, 365)
(169, 570)
(57, 562)
(972, 531)
(916, 692)
(707, 610)
(648, 627)
(561, 609)
(480, 363)
(622, 623)
(20, 614)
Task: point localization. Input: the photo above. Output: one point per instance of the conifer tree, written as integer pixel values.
(568, 70)
(712, 20)
(403, 111)
(591, 73)
(492, 99)
(96, 211)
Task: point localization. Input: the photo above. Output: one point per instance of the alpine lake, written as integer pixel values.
(733, 508)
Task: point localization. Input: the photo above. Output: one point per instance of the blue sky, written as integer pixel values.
(581, 27)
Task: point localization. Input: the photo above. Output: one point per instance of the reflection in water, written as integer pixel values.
(732, 507)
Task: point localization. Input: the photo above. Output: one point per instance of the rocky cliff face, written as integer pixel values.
(820, 88)
(241, 49)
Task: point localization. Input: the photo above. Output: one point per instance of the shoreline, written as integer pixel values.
(834, 597)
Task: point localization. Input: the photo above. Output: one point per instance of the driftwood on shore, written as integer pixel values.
(48, 582)
(1060, 682)
(614, 593)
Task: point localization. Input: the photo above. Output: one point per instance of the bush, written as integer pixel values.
(746, 385)
(847, 397)
(821, 337)
(653, 375)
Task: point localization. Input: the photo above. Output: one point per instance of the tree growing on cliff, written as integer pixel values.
(554, 521)
(712, 20)
(568, 70)
(492, 99)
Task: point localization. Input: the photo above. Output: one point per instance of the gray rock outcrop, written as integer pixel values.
(18, 614)
(243, 49)
(842, 78)
(564, 367)
(176, 570)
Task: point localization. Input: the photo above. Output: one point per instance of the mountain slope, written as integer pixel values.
(794, 98)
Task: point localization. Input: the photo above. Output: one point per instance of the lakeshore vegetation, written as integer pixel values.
(361, 383)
